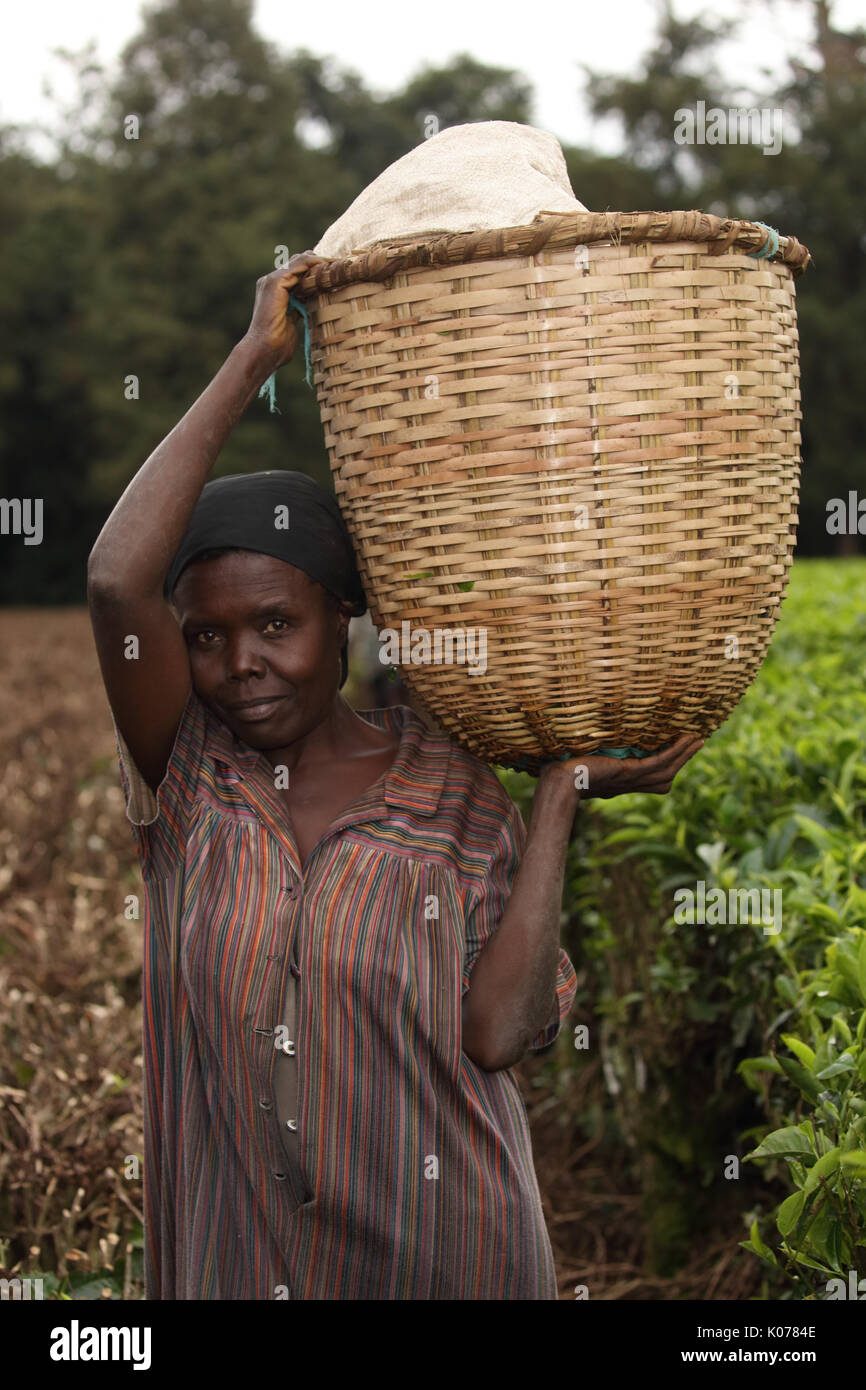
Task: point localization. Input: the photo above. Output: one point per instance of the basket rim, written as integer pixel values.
(547, 230)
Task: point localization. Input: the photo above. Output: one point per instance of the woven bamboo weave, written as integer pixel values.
(581, 437)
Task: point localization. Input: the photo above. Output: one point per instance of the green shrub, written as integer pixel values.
(703, 1029)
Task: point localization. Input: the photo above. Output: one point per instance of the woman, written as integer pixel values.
(349, 937)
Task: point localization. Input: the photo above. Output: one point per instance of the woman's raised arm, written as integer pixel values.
(131, 556)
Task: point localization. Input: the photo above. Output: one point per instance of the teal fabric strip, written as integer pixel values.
(269, 388)
(302, 310)
(522, 764)
(619, 753)
(771, 245)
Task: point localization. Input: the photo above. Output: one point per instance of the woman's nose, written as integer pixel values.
(243, 657)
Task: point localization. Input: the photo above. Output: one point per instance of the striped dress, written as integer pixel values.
(313, 1129)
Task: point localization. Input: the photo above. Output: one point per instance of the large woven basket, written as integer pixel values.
(580, 437)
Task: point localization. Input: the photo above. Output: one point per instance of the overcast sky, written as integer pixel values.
(548, 43)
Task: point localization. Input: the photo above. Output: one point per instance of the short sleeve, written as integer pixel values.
(566, 989)
(486, 913)
(159, 820)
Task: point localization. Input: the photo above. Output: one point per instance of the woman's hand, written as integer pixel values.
(606, 777)
(272, 332)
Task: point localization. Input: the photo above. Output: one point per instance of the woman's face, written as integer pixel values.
(258, 628)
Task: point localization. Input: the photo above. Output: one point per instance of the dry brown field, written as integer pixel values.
(70, 1018)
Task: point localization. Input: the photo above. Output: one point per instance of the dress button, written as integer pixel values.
(280, 1177)
(265, 1103)
(288, 1046)
(292, 1125)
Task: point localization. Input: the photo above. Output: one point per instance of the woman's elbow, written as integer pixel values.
(492, 1056)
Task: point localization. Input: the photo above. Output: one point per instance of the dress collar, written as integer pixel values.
(413, 782)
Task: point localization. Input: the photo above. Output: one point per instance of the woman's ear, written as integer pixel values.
(344, 611)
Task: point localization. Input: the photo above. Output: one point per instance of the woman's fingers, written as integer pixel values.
(663, 767)
(671, 759)
(287, 276)
(299, 264)
(608, 777)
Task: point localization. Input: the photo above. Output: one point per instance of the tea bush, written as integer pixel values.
(716, 1034)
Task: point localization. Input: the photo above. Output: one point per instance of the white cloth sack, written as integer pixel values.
(468, 178)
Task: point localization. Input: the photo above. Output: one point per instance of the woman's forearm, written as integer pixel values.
(138, 541)
(513, 983)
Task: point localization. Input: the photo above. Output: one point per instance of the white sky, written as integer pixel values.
(547, 43)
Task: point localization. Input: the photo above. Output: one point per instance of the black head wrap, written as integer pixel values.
(240, 510)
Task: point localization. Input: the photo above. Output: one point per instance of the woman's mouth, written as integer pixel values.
(256, 714)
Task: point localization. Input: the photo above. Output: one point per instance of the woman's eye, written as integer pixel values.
(200, 639)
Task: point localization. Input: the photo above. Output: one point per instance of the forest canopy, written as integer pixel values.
(131, 253)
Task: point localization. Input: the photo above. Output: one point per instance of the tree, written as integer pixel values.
(131, 254)
(813, 188)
